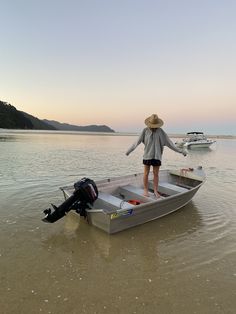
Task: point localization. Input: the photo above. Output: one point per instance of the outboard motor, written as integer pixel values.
(84, 195)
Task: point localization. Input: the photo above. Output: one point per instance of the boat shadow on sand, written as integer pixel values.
(78, 237)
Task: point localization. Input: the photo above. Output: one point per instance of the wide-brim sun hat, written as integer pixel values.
(153, 121)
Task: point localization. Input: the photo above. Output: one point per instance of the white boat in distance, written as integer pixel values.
(121, 205)
(195, 140)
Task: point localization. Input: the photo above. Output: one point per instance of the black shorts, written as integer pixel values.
(152, 162)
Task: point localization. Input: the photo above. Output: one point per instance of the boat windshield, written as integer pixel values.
(195, 137)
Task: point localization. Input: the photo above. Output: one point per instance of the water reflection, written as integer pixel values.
(76, 233)
(199, 150)
(8, 138)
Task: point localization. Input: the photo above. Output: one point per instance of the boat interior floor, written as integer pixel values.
(123, 196)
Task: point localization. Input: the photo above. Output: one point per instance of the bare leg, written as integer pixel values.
(156, 180)
(145, 180)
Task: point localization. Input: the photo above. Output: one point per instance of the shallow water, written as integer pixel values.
(182, 263)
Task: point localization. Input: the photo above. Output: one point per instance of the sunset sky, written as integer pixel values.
(115, 62)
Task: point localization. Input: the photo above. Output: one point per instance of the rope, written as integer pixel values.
(121, 203)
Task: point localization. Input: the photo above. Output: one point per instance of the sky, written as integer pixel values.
(116, 62)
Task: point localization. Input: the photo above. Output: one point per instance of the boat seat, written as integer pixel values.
(113, 200)
(168, 188)
(138, 192)
(173, 187)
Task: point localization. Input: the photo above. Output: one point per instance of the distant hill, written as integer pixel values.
(11, 118)
(37, 123)
(71, 127)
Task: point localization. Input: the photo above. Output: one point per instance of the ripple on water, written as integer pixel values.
(202, 245)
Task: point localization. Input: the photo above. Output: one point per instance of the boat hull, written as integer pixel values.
(113, 223)
(197, 145)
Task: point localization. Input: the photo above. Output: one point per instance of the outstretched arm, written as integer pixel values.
(135, 144)
(171, 145)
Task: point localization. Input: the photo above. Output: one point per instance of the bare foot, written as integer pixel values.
(157, 195)
(145, 193)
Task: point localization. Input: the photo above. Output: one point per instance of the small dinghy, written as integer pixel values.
(116, 204)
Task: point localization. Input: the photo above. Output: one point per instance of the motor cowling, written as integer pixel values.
(87, 190)
(84, 195)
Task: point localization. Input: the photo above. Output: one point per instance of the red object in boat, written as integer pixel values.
(134, 202)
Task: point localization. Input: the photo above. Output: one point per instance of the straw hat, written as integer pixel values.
(153, 122)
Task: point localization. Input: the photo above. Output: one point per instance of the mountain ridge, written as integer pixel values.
(71, 127)
(11, 118)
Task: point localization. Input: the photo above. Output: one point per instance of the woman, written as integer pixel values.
(154, 140)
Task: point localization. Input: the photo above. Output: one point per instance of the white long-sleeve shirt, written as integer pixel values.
(154, 142)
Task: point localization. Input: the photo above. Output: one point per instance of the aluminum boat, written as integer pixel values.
(121, 205)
